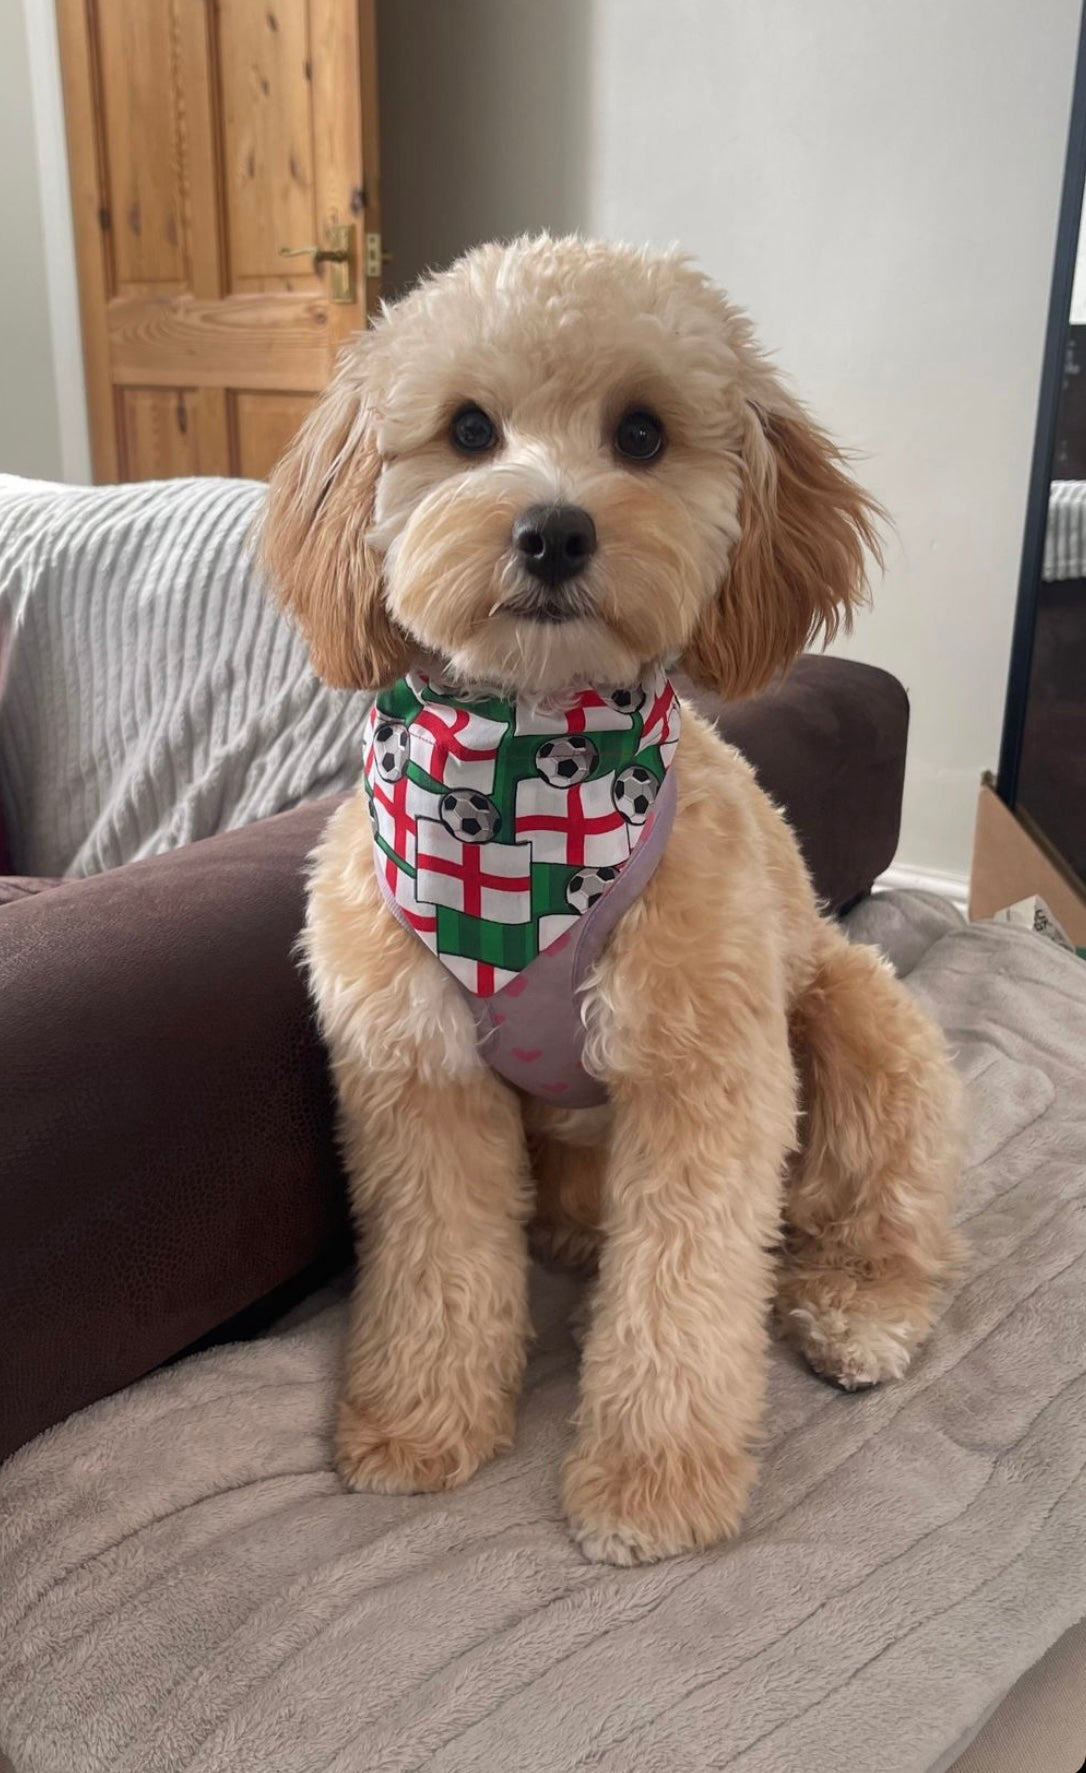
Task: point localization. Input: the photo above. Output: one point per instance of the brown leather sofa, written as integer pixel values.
(167, 1154)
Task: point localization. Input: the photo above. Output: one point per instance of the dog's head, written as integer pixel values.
(553, 465)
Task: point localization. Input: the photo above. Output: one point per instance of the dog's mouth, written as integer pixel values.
(549, 605)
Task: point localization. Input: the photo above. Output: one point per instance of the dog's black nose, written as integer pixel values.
(554, 541)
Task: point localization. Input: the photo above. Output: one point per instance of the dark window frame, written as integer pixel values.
(1044, 445)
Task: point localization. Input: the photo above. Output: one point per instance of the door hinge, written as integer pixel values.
(373, 256)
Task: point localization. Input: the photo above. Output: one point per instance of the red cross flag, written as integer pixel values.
(581, 825)
(488, 880)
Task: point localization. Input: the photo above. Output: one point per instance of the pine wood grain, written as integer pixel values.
(267, 127)
(175, 431)
(263, 341)
(203, 135)
(200, 129)
(264, 425)
(138, 99)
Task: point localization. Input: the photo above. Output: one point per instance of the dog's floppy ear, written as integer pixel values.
(313, 541)
(797, 570)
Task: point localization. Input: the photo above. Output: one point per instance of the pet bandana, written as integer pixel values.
(510, 835)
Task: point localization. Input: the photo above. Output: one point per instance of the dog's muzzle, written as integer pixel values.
(552, 545)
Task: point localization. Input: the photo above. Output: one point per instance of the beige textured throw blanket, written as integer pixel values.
(184, 1586)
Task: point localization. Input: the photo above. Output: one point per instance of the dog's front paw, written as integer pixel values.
(626, 1507)
(371, 1454)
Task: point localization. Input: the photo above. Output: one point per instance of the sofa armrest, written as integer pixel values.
(22, 886)
(167, 1155)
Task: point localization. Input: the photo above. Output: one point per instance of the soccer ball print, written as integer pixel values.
(634, 792)
(624, 701)
(588, 885)
(451, 692)
(568, 761)
(499, 826)
(469, 816)
(392, 748)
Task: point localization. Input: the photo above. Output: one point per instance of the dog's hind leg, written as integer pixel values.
(868, 1236)
(568, 1153)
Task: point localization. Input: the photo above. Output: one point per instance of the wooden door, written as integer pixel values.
(204, 136)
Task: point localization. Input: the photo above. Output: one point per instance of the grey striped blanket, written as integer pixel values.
(153, 694)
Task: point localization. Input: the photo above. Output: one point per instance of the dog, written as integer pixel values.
(542, 479)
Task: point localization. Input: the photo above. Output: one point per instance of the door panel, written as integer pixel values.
(204, 135)
(267, 113)
(173, 431)
(265, 424)
(140, 141)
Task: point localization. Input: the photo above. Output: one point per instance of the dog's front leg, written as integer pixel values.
(672, 1381)
(434, 1147)
(439, 1316)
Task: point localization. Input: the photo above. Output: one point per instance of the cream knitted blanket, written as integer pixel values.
(153, 694)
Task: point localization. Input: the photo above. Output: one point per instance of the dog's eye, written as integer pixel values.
(639, 436)
(471, 431)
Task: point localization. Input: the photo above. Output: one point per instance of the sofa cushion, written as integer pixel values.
(828, 744)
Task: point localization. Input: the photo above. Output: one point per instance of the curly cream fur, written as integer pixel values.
(782, 1119)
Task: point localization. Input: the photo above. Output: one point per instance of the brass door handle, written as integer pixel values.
(339, 253)
(319, 254)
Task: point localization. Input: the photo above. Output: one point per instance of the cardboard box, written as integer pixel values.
(1011, 863)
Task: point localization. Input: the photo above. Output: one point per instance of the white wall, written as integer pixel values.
(878, 180)
(29, 424)
(43, 416)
